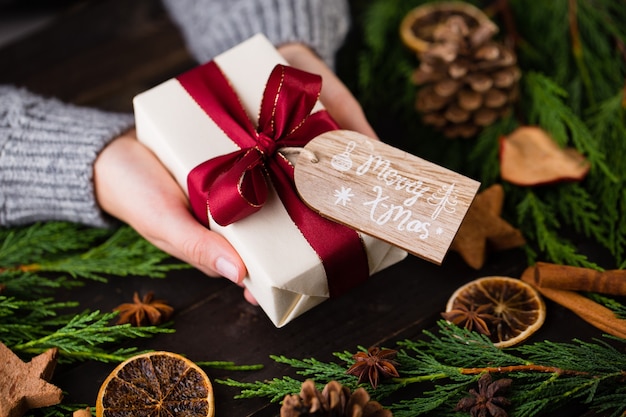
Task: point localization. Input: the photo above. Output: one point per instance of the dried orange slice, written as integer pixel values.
(505, 309)
(156, 384)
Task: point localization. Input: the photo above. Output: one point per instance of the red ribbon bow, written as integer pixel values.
(233, 186)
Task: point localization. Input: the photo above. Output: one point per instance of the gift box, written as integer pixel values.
(295, 258)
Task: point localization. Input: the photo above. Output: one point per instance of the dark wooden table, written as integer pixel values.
(102, 53)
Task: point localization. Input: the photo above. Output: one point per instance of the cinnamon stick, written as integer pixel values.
(574, 278)
(587, 309)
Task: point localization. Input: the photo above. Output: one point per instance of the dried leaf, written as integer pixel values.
(530, 157)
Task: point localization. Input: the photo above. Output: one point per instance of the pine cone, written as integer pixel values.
(467, 79)
(335, 400)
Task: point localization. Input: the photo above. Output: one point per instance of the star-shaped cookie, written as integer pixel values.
(484, 230)
(23, 385)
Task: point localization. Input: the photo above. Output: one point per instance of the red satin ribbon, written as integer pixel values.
(233, 186)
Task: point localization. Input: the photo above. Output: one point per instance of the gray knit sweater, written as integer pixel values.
(47, 148)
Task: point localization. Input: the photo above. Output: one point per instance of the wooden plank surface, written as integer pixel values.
(101, 53)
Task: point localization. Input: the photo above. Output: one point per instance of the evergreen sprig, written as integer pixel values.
(571, 54)
(274, 390)
(547, 108)
(607, 124)
(22, 320)
(86, 336)
(438, 370)
(541, 224)
(122, 253)
(228, 366)
(612, 304)
(27, 244)
(30, 285)
(38, 259)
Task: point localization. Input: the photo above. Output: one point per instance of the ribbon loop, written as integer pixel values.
(289, 97)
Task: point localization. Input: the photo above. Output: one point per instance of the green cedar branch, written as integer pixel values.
(123, 253)
(88, 336)
(34, 262)
(606, 123)
(274, 390)
(32, 285)
(27, 244)
(618, 308)
(541, 224)
(30, 319)
(437, 371)
(228, 366)
(548, 109)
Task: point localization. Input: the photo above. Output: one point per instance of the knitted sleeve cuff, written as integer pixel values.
(211, 27)
(47, 152)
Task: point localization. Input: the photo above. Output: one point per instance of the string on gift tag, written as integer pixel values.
(294, 150)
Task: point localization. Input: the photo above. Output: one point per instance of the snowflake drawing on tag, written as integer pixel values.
(443, 200)
(343, 195)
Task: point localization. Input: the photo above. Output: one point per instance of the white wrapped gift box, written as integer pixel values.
(285, 274)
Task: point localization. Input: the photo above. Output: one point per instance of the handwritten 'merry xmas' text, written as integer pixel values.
(384, 192)
(382, 209)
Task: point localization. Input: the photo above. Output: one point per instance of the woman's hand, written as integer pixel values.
(133, 186)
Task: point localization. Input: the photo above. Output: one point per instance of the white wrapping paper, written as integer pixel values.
(285, 275)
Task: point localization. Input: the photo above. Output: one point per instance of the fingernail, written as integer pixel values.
(227, 269)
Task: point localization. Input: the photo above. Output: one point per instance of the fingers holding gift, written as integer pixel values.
(186, 239)
(132, 185)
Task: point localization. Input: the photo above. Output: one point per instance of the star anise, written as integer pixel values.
(144, 311)
(472, 317)
(373, 365)
(486, 402)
